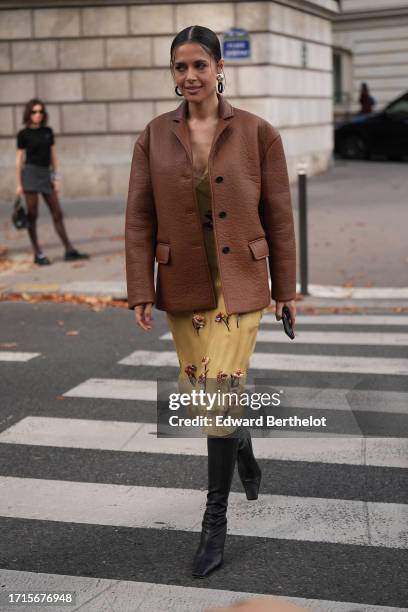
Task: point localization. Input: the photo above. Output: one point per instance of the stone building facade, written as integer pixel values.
(370, 39)
(103, 72)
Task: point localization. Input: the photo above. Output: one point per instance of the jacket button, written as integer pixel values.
(225, 249)
(222, 214)
(219, 179)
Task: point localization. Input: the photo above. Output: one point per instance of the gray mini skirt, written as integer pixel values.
(36, 178)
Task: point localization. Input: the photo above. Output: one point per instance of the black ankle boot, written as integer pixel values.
(222, 454)
(248, 469)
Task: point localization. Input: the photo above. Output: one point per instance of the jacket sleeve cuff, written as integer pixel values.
(133, 303)
(285, 299)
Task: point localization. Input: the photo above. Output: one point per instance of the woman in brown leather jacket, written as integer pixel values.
(212, 248)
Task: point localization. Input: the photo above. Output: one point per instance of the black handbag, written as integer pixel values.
(19, 217)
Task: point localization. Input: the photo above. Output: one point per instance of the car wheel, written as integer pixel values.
(353, 147)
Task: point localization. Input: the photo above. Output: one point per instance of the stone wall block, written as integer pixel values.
(107, 85)
(56, 22)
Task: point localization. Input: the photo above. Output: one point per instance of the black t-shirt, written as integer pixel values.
(37, 143)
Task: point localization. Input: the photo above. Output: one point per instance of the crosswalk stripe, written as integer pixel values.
(314, 337)
(279, 361)
(294, 518)
(17, 356)
(339, 319)
(116, 388)
(104, 593)
(141, 437)
(296, 397)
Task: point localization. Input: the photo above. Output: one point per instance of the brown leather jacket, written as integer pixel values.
(252, 216)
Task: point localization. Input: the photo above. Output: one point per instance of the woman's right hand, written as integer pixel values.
(19, 191)
(143, 315)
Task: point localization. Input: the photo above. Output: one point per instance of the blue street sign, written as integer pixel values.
(236, 44)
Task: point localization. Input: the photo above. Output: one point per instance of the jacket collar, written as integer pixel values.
(180, 127)
(225, 110)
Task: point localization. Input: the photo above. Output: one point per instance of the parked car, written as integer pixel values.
(382, 133)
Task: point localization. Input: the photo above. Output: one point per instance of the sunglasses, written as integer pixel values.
(35, 112)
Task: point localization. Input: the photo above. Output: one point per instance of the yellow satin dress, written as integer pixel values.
(214, 349)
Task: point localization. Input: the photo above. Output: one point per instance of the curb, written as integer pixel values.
(114, 293)
(104, 289)
(117, 290)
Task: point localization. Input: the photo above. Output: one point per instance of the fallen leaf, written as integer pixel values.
(98, 307)
(8, 344)
(65, 298)
(72, 332)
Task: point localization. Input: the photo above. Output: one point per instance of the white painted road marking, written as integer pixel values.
(277, 516)
(342, 319)
(296, 397)
(327, 337)
(142, 437)
(17, 356)
(102, 594)
(280, 361)
(116, 388)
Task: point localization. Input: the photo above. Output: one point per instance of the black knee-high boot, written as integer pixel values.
(222, 455)
(248, 469)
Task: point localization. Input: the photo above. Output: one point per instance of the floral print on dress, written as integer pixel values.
(202, 379)
(221, 317)
(221, 376)
(198, 322)
(235, 376)
(190, 370)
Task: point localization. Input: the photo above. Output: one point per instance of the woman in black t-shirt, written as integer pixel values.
(33, 176)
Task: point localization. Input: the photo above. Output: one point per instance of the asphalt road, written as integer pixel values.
(92, 500)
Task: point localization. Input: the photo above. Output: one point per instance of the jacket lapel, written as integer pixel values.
(180, 127)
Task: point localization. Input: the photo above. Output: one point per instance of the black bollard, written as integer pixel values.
(302, 195)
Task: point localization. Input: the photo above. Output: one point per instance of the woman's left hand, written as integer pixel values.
(57, 185)
(292, 309)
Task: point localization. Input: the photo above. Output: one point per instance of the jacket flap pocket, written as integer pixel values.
(162, 252)
(259, 248)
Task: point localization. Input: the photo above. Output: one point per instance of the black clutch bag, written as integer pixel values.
(19, 217)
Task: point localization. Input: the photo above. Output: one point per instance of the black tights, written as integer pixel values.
(51, 199)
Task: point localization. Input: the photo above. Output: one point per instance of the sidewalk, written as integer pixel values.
(358, 253)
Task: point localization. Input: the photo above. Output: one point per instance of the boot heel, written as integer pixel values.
(251, 487)
(248, 469)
